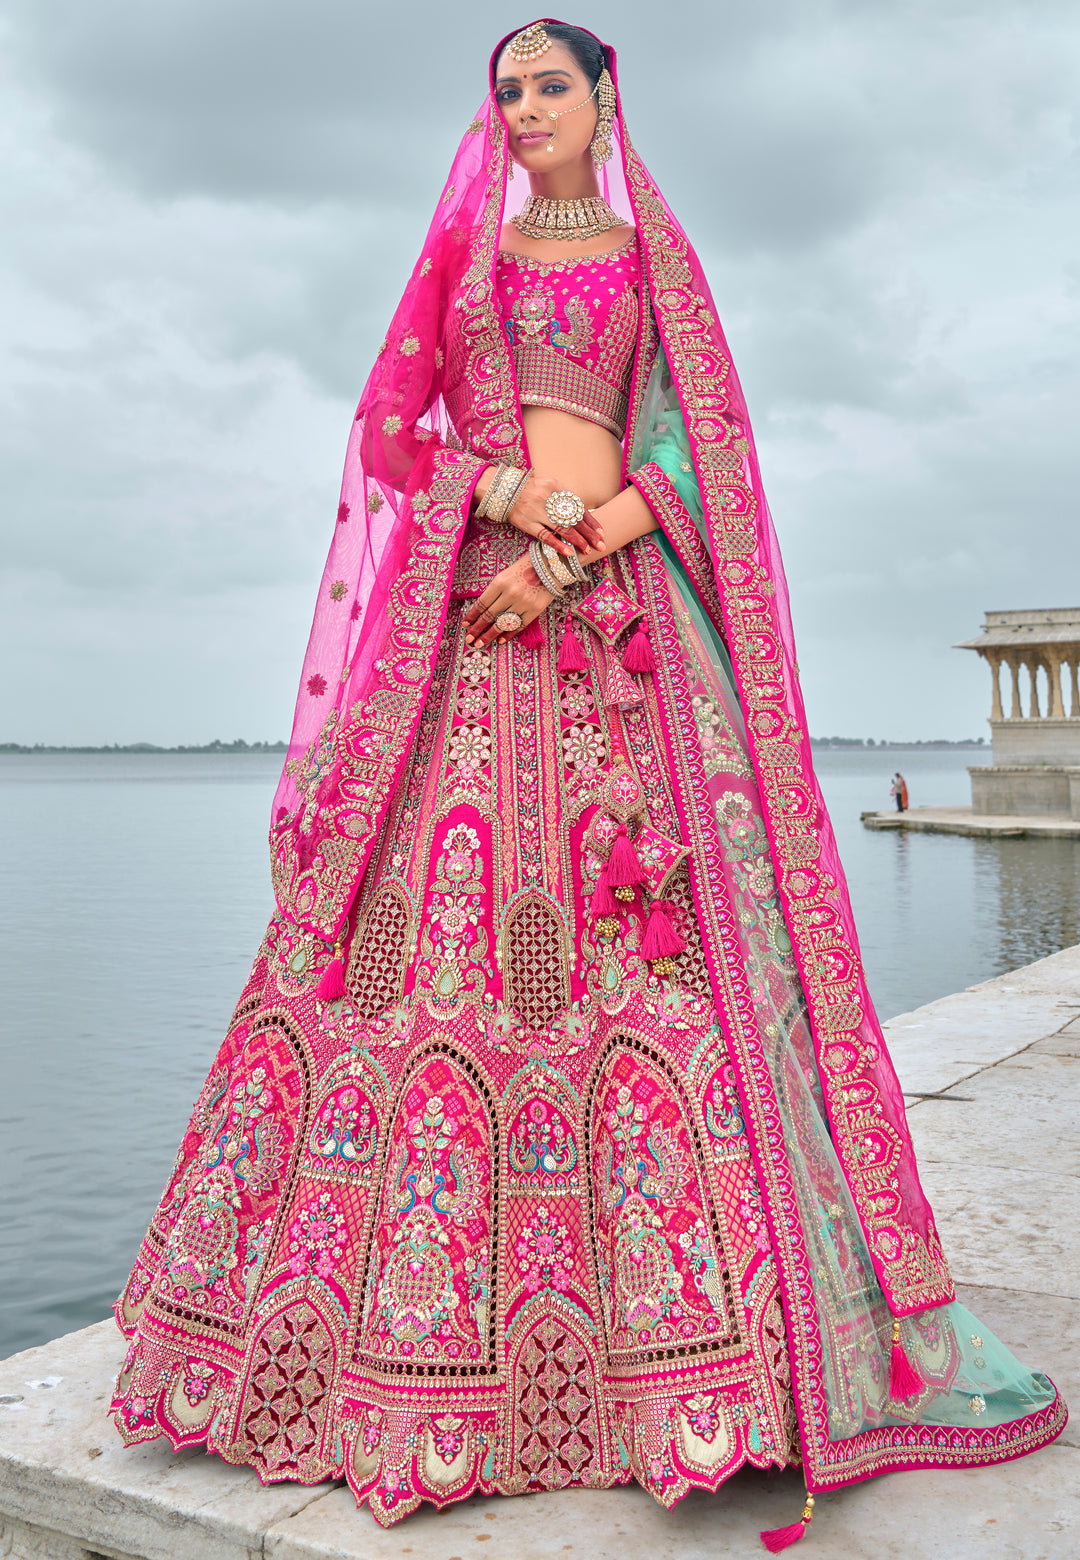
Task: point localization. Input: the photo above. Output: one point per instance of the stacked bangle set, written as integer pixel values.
(503, 492)
(564, 510)
(554, 571)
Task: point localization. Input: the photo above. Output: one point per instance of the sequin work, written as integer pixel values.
(483, 1224)
(572, 326)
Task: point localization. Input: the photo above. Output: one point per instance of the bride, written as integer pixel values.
(554, 1140)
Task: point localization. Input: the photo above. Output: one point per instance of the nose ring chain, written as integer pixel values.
(557, 116)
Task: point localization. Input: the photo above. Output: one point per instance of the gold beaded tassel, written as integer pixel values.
(778, 1539)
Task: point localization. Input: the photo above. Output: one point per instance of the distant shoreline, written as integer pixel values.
(866, 744)
(239, 746)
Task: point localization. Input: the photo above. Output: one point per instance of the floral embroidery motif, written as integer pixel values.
(197, 1379)
(315, 1238)
(545, 1253)
(337, 590)
(316, 685)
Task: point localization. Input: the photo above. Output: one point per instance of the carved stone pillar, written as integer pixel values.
(1016, 713)
(1032, 664)
(1056, 708)
(993, 661)
(1074, 703)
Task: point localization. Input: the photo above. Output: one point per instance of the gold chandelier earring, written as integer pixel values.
(606, 104)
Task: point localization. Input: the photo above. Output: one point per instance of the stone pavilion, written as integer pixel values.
(1036, 745)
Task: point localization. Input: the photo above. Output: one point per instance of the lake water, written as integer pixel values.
(136, 892)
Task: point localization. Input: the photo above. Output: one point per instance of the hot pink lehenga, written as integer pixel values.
(590, 1174)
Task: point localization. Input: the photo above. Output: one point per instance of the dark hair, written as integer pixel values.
(588, 54)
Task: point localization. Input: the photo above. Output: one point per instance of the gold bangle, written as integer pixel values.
(516, 494)
(543, 573)
(483, 505)
(503, 491)
(558, 566)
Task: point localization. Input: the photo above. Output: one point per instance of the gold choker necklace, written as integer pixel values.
(572, 220)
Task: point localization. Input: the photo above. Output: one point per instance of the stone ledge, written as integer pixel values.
(964, 820)
(70, 1491)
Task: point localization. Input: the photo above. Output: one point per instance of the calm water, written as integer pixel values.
(136, 890)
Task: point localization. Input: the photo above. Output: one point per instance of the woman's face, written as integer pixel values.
(528, 91)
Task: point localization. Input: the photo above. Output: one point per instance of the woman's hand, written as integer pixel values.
(516, 589)
(530, 516)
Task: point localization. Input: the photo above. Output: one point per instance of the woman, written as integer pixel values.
(554, 1140)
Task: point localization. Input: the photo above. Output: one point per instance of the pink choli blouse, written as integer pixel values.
(572, 326)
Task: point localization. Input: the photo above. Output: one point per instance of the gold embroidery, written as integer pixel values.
(913, 1268)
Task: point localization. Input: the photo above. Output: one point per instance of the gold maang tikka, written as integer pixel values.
(529, 43)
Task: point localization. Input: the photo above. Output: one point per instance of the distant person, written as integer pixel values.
(899, 791)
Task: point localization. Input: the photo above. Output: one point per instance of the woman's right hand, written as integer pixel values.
(530, 516)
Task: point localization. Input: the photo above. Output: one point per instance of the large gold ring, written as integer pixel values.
(509, 622)
(564, 509)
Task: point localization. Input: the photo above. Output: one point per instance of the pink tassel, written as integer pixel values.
(532, 635)
(638, 655)
(662, 938)
(778, 1539)
(624, 867)
(332, 986)
(603, 901)
(571, 655)
(904, 1380)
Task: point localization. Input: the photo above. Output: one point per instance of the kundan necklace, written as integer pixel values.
(586, 217)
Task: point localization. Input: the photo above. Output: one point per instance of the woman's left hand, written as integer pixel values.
(515, 589)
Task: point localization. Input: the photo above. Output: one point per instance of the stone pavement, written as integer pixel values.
(994, 1081)
(964, 820)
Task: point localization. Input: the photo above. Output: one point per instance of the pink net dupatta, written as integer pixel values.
(432, 415)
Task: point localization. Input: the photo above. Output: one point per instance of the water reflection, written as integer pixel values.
(1035, 887)
(138, 889)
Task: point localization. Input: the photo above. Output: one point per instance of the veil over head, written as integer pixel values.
(439, 405)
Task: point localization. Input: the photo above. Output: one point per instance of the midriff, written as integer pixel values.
(576, 454)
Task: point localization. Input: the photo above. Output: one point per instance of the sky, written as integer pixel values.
(208, 209)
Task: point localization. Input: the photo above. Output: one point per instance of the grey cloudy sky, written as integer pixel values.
(210, 206)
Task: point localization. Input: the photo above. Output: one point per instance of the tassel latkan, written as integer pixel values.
(904, 1380)
(571, 655)
(638, 655)
(531, 636)
(332, 986)
(662, 941)
(776, 1540)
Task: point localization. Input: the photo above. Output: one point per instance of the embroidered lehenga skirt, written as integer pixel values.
(490, 1221)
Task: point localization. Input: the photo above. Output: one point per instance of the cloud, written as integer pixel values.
(209, 211)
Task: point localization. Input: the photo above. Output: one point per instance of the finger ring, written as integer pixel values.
(509, 622)
(564, 509)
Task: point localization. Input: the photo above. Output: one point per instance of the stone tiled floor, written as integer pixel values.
(999, 1155)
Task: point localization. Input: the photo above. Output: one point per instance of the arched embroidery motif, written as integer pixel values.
(536, 975)
(291, 1367)
(377, 959)
(555, 1391)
